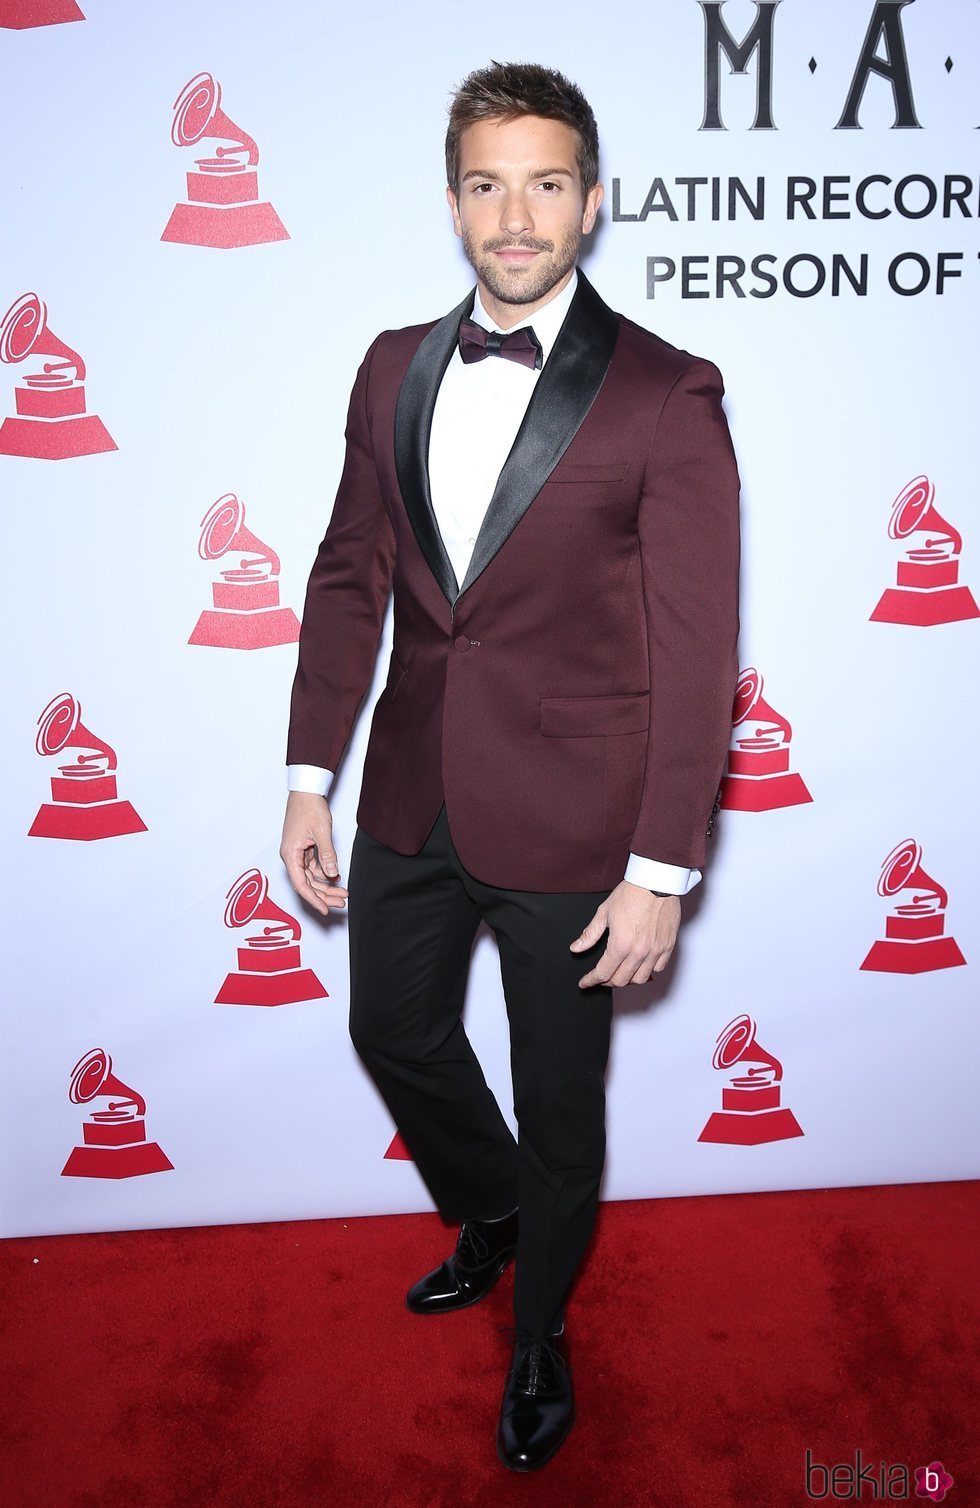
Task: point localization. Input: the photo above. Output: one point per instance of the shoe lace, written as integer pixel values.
(471, 1247)
(535, 1359)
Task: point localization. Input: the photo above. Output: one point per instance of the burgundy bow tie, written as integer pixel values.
(517, 345)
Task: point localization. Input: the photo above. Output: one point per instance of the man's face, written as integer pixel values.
(520, 210)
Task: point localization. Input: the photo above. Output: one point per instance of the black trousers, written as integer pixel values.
(412, 921)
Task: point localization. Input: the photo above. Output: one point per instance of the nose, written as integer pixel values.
(515, 216)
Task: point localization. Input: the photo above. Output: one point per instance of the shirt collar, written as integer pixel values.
(547, 320)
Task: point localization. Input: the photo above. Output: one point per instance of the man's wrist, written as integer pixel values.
(648, 890)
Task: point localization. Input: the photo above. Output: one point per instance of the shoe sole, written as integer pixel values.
(467, 1303)
(512, 1466)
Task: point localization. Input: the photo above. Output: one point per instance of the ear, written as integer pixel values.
(592, 202)
(453, 203)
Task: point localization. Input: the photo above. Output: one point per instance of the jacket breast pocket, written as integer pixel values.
(594, 472)
(594, 716)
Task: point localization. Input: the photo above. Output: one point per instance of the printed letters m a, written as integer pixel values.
(718, 39)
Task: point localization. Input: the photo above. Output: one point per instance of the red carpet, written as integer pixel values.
(713, 1341)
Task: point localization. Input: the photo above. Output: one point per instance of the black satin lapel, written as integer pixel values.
(413, 423)
(564, 393)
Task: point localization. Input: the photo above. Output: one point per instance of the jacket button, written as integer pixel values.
(461, 642)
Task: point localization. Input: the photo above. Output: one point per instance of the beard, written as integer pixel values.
(522, 285)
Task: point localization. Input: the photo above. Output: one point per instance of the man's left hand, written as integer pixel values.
(642, 932)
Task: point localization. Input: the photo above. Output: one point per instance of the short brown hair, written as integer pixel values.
(506, 91)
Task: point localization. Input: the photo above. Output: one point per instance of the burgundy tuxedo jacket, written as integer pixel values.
(571, 698)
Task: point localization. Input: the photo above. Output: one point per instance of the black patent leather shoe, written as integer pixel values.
(538, 1406)
(483, 1249)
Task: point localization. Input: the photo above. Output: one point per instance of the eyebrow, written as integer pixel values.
(538, 173)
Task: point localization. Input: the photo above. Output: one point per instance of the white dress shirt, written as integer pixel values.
(478, 411)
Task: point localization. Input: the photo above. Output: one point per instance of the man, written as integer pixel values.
(552, 491)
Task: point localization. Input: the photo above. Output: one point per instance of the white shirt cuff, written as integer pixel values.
(308, 777)
(651, 874)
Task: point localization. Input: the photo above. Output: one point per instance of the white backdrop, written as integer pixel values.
(221, 371)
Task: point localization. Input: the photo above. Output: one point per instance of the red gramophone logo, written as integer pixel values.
(51, 422)
(397, 1150)
(758, 777)
(19, 15)
(246, 612)
(750, 1112)
(928, 590)
(84, 802)
(114, 1143)
(270, 970)
(223, 208)
(914, 940)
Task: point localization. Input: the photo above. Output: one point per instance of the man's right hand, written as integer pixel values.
(308, 853)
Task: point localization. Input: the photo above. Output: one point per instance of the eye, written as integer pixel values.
(554, 187)
(479, 187)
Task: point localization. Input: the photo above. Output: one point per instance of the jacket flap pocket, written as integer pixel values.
(592, 716)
